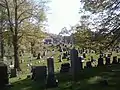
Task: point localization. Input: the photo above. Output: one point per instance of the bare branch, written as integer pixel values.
(23, 13)
(2, 5)
(9, 19)
(20, 3)
(23, 19)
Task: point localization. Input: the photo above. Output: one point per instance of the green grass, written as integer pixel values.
(88, 79)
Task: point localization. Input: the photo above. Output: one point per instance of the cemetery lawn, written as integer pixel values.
(97, 78)
(89, 79)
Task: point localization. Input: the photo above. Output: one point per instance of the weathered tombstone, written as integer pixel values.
(75, 66)
(114, 60)
(88, 64)
(64, 56)
(109, 55)
(117, 50)
(65, 68)
(34, 54)
(3, 75)
(61, 57)
(107, 59)
(86, 51)
(38, 57)
(100, 61)
(118, 60)
(84, 55)
(39, 73)
(80, 62)
(13, 73)
(44, 53)
(51, 79)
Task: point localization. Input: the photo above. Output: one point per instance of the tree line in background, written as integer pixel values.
(21, 26)
(99, 26)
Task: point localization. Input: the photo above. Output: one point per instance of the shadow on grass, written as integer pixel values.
(88, 79)
(27, 84)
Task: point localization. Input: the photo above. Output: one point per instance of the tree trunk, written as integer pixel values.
(1, 37)
(15, 39)
(1, 44)
(16, 57)
(2, 48)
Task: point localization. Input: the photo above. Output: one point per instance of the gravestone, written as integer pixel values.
(13, 73)
(65, 68)
(51, 79)
(61, 57)
(118, 60)
(64, 56)
(80, 62)
(39, 73)
(75, 65)
(107, 59)
(38, 57)
(84, 55)
(109, 55)
(114, 60)
(3, 75)
(100, 61)
(88, 64)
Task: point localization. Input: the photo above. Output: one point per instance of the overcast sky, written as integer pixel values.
(63, 14)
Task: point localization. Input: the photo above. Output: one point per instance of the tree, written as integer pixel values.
(18, 11)
(2, 29)
(108, 12)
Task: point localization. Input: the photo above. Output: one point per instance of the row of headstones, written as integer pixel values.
(76, 63)
(66, 66)
(101, 61)
(39, 74)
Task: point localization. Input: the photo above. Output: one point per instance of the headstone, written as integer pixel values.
(88, 64)
(51, 79)
(109, 55)
(75, 65)
(80, 62)
(86, 51)
(13, 73)
(38, 57)
(117, 50)
(3, 75)
(39, 73)
(118, 60)
(114, 60)
(61, 57)
(107, 59)
(84, 55)
(65, 68)
(64, 56)
(100, 61)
